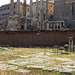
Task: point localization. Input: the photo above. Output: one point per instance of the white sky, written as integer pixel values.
(3, 2)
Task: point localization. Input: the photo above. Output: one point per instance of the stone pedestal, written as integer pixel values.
(71, 44)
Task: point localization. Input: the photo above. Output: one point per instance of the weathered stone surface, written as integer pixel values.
(13, 23)
(47, 69)
(66, 70)
(7, 67)
(35, 66)
(23, 71)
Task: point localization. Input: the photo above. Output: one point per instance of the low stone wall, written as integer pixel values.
(35, 38)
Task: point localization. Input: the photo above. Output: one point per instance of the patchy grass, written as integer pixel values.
(70, 56)
(12, 64)
(58, 62)
(27, 51)
(15, 53)
(71, 64)
(40, 72)
(8, 57)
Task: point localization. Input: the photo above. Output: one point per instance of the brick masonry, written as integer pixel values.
(35, 38)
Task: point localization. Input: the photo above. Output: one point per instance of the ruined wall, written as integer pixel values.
(30, 38)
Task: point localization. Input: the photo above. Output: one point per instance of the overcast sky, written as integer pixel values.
(3, 2)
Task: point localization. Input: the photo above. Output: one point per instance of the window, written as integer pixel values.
(51, 10)
(51, 5)
(44, 8)
(8, 7)
(14, 12)
(8, 13)
(28, 9)
(14, 6)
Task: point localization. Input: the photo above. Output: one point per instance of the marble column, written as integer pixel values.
(54, 26)
(41, 14)
(24, 14)
(47, 26)
(12, 8)
(57, 25)
(51, 25)
(18, 7)
(31, 9)
(37, 3)
(60, 25)
(24, 8)
(46, 14)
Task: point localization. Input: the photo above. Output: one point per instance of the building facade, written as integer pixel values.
(64, 9)
(50, 9)
(5, 11)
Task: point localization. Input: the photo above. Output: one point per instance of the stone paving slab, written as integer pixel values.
(35, 66)
(23, 71)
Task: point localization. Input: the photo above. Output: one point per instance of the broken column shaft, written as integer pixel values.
(18, 7)
(12, 8)
(24, 8)
(46, 14)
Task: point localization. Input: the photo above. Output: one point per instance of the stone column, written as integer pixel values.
(41, 14)
(64, 9)
(24, 8)
(51, 25)
(60, 25)
(12, 8)
(46, 14)
(54, 26)
(24, 14)
(31, 9)
(57, 25)
(47, 26)
(37, 12)
(71, 44)
(18, 7)
(37, 3)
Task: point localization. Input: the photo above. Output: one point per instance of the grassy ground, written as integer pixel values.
(15, 53)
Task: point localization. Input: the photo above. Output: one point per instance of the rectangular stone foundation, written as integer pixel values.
(36, 38)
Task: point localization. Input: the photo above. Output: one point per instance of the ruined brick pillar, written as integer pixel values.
(46, 14)
(18, 7)
(24, 8)
(12, 8)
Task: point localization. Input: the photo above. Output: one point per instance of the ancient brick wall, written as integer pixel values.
(30, 38)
